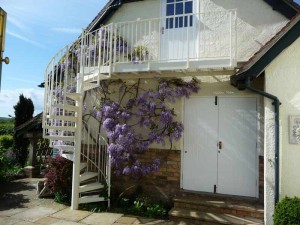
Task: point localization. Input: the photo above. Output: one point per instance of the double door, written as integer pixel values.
(220, 145)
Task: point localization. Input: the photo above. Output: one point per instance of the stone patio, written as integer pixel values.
(19, 205)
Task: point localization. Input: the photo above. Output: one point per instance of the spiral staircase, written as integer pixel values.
(77, 68)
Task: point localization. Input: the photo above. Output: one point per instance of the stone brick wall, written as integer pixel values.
(160, 186)
(164, 184)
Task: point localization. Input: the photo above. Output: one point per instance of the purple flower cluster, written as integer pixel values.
(139, 119)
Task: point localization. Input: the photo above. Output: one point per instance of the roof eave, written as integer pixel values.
(266, 57)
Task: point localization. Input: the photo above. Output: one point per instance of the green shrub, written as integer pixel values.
(143, 206)
(6, 141)
(9, 169)
(287, 211)
(7, 129)
(156, 211)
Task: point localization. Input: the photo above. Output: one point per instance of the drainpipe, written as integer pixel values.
(276, 104)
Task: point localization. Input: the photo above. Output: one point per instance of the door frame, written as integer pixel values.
(258, 146)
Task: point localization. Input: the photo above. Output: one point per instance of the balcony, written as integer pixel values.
(168, 45)
(184, 42)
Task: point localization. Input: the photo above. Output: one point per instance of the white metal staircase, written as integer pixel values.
(71, 72)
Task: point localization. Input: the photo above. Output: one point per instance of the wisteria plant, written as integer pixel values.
(137, 118)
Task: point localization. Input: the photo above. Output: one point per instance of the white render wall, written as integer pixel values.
(257, 22)
(283, 80)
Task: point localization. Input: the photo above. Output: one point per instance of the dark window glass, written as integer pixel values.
(170, 10)
(188, 7)
(170, 23)
(179, 7)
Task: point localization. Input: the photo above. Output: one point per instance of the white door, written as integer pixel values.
(179, 29)
(237, 157)
(200, 138)
(220, 153)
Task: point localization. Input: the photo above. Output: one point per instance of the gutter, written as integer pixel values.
(276, 104)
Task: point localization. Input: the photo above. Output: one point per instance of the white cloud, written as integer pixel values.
(17, 23)
(25, 39)
(67, 30)
(9, 98)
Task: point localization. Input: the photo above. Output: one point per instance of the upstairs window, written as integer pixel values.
(174, 10)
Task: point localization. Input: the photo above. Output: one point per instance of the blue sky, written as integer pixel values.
(35, 31)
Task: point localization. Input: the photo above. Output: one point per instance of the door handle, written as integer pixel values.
(162, 30)
(220, 145)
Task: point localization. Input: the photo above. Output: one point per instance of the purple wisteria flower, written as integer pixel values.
(138, 119)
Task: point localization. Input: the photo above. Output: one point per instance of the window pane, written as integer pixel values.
(179, 9)
(189, 7)
(179, 22)
(169, 1)
(170, 10)
(188, 20)
(169, 23)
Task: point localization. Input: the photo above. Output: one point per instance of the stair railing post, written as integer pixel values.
(77, 152)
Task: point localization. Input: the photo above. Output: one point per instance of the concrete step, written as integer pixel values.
(87, 175)
(67, 148)
(61, 138)
(90, 187)
(74, 96)
(61, 128)
(88, 86)
(218, 204)
(91, 198)
(64, 118)
(68, 156)
(186, 216)
(66, 107)
(83, 165)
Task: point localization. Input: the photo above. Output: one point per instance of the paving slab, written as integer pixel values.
(71, 215)
(46, 220)
(24, 223)
(55, 221)
(10, 212)
(149, 221)
(34, 214)
(8, 221)
(126, 220)
(102, 218)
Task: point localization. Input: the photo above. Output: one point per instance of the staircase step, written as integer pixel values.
(68, 156)
(74, 96)
(103, 76)
(91, 198)
(90, 187)
(68, 148)
(88, 86)
(225, 205)
(64, 128)
(66, 107)
(199, 217)
(87, 176)
(65, 118)
(61, 138)
(83, 165)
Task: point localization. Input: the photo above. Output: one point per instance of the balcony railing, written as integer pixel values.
(204, 40)
(189, 41)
